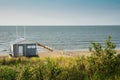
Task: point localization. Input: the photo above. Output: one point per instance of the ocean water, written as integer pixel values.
(60, 37)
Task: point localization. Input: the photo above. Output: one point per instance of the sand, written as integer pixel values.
(59, 53)
(4, 55)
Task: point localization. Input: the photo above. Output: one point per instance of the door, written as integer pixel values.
(20, 50)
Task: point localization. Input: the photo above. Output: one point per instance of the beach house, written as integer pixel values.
(24, 47)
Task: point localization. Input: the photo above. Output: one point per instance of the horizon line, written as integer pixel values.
(67, 25)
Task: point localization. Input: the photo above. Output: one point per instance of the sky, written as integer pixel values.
(59, 12)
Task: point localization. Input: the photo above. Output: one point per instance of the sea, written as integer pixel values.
(60, 37)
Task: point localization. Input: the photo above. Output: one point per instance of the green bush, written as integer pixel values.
(103, 62)
(7, 73)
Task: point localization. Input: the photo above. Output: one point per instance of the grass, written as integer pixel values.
(77, 68)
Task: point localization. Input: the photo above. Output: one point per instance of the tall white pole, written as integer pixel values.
(24, 32)
(24, 38)
(16, 32)
(16, 39)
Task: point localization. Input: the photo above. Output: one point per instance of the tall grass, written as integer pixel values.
(103, 64)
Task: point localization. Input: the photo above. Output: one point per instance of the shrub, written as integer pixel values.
(25, 73)
(103, 60)
(7, 73)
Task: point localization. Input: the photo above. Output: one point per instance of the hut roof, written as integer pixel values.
(23, 41)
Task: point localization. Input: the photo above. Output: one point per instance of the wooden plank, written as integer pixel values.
(46, 47)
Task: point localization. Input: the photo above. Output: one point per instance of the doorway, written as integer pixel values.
(20, 50)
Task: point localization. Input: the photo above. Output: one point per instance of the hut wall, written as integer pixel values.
(28, 50)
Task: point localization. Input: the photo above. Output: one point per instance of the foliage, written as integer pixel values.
(7, 73)
(104, 61)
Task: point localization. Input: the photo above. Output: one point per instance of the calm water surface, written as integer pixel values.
(61, 37)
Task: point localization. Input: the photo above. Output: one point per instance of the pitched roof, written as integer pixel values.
(23, 41)
(26, 42)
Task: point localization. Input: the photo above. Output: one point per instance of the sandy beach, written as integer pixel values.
(67, 53)
(59, 53)
(64, 53)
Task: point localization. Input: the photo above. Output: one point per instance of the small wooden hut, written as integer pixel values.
(26, 48)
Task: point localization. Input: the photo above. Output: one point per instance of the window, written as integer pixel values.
(31, 46)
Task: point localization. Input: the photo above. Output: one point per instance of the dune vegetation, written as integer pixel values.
(103, 64)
